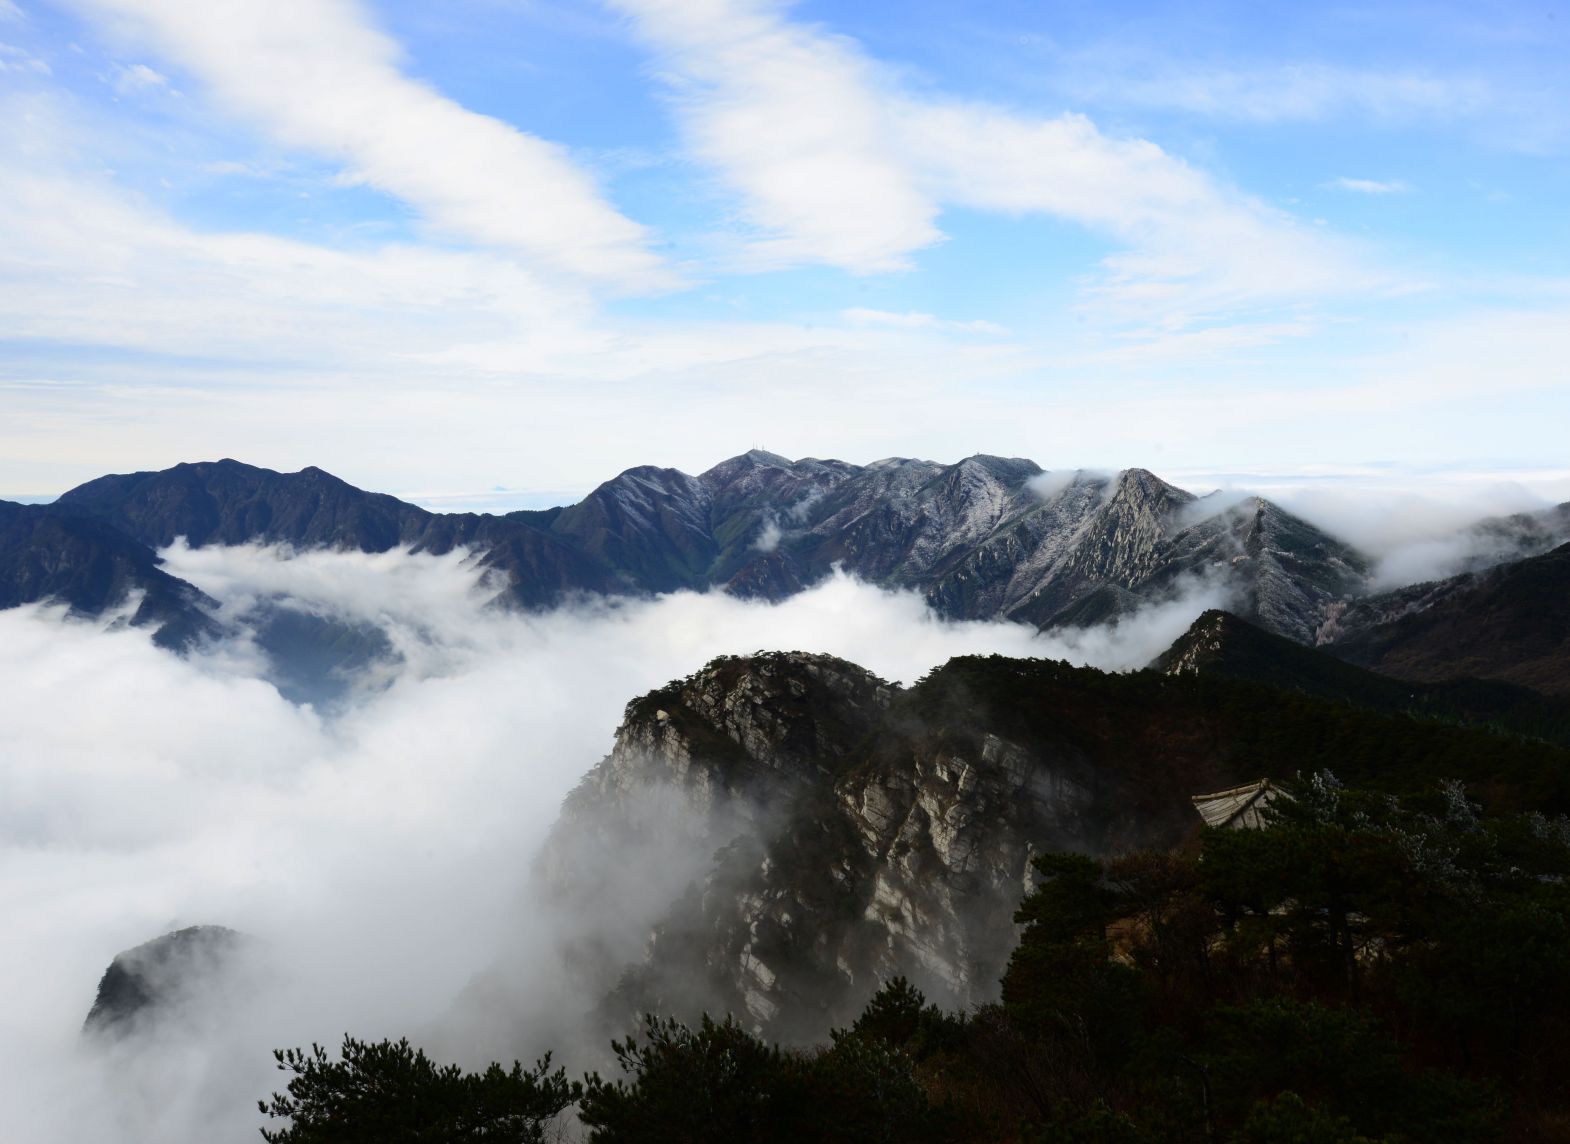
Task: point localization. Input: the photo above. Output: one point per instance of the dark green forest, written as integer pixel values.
(1372, 968)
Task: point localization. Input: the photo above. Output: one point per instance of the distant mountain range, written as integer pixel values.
(986, 538)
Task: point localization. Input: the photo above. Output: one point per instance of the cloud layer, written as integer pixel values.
(379, 853)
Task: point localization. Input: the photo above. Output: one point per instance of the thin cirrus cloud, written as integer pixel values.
(1369, 186)
(919, 320)
(835, 164)
(140, 77)
(1302, 91)
(319, 75)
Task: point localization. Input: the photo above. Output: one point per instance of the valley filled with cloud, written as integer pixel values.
(379, 850)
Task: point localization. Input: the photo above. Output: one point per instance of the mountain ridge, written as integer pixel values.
(1221, 644)
(983, 538)
(1509, 623)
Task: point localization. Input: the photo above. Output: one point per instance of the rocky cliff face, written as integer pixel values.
(777, 834)
(844, 836)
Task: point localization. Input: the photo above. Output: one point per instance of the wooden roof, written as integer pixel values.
(1227, 807)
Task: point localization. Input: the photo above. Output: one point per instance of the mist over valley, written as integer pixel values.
(366, 748)
(753, 571)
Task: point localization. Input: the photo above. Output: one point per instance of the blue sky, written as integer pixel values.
(492, 251)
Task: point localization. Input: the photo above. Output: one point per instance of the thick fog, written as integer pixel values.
(379, 848)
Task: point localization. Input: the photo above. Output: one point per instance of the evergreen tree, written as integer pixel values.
(392, 1093)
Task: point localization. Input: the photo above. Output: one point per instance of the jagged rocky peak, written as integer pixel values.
(1200, 645)
(985, 538)
(840, 831)
(751, 459)
(1144, 488)
(703, 772)
(883, 464)
(757, 490)
(1124, 541)
(743, 725)
(1006, 470)
(983, 490)
(1222, 643)
(181, 976)
(649, 525)
(644, 495)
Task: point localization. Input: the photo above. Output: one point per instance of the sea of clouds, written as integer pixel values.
(379, 848)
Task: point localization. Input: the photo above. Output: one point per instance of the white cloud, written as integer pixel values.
(9, 11)
(1284, 92)
(792, 119)
(14, 59)
(85, 262)
(1503, 104)
(459, 369)
(318, 75)
(918, 320)
(382, 854)
(835, 162)
(769, 539)
(139, 77)
(1213, 343)
(1192, 248)
(1370, 186)
(1415, 525)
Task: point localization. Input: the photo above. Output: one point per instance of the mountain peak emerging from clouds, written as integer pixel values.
(984, 538)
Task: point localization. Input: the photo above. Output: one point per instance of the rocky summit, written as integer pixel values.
(837, 864)
(848, 830)
(179, 975)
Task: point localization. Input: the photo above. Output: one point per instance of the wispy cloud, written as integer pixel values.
(796, 122)
(1275, 93)
(917, 320)
(15, 59)
(835, 162)
(1369, 186)
(318, 75)
(130, 335)
(1503, 103)
(86, 264)
(139, 77)
(9, 11)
